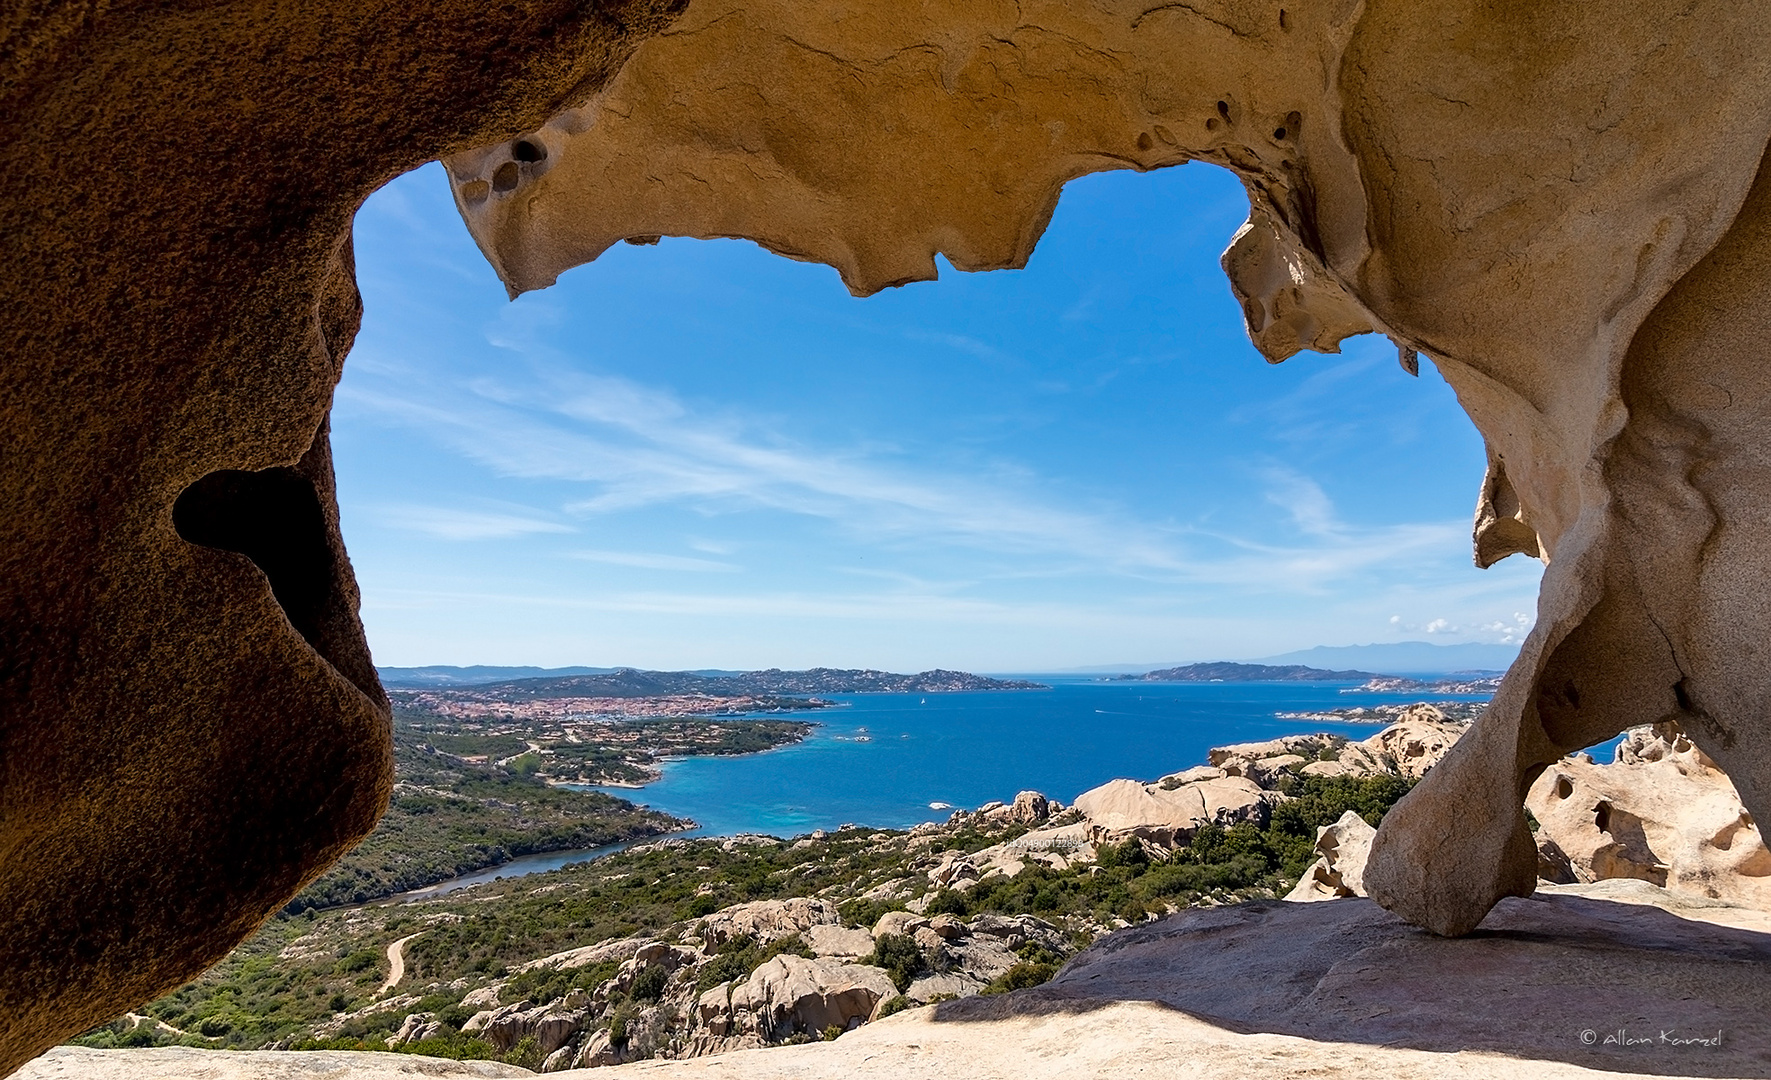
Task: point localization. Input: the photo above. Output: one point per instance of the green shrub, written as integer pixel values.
(739, 956)
(866, 913)
(544, 985)
(526, 1054)
(702, 905)
(649, 984)
(947, 902)
(1020, 977)
(899, 955)
(1128, 853)
(894, 1006)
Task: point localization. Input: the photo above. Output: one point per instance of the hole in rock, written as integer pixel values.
(476, 190)
(1144, 140)
(505, 178)
(525, 151)
(272, 517)
(1564, 787)
(1279, 133)
(1224, 109)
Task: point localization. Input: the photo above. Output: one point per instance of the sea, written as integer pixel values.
(894, 760)
(891, 761)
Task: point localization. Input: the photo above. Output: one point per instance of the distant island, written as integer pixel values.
(632, 682)
(1225, 671)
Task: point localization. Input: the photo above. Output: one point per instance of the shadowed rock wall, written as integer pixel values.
(1559, 202)
(190, 725)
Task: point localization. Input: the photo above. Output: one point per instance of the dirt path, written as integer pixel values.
(396, 963)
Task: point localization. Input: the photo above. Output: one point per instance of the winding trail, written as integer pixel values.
(396, 963)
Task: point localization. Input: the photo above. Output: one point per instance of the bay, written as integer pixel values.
(895, 760)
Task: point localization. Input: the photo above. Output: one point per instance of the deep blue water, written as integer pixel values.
(965, 749)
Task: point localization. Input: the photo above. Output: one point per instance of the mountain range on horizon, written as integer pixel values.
(633, 682)
(1391, 658)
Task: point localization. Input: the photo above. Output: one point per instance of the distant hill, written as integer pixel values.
(445, 675)
(424, 678)
(631, 682)
(1223, 671)
(1404, 657)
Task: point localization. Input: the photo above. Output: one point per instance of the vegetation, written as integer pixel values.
(1132, 881)
(312, 978)
(449, 818)
(468, 797)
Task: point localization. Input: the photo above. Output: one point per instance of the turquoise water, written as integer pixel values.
(884, 758)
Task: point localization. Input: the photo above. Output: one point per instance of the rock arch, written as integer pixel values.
(1561, 203)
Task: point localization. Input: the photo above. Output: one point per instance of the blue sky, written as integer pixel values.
(698, 454)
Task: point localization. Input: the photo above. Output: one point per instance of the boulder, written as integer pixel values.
(1188, 776)
(1030, 808)
(713, 1010)
(844, 942)
(420, 1025)
(898, 922)
(559, 1060)
(768, 920)
(1234, 757)
(1339, 869)
(505, 1027)
(556, 1028)
(791, 995)
(943, 986)
(1662, 812)
(1167, 816)
(1416, 743)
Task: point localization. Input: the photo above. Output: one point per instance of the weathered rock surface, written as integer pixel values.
(1339, 869)
(1662, 812)
(180, 1063)
(1595, 285)
(791, 995)
(838, 941)
(769, 920)
(190, 722)
(1269, 990)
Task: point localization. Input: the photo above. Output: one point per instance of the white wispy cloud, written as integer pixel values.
(650, 561)
(632, 446)
(449, 523)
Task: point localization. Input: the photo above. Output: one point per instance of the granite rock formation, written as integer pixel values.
(1339, 870)
(1662, 813)
(1243, 783)
(190, 725)
(1561, 204)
